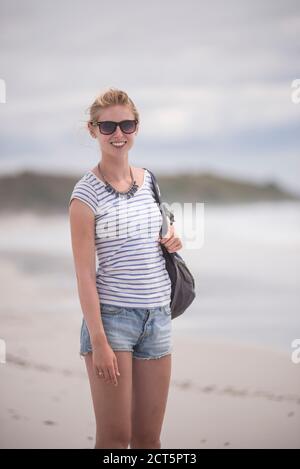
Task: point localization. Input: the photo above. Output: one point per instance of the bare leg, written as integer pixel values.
(112, 404)
(151, 380)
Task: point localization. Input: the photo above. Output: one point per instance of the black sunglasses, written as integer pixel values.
(109, 127)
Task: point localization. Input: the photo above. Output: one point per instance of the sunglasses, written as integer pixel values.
(109, 127)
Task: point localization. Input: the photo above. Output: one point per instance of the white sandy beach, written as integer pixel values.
(221, 395)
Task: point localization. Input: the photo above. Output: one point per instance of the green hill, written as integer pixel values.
(45, 193)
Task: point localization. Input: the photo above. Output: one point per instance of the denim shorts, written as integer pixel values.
(146, 332)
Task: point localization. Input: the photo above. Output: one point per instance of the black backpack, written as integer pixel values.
(183, 283)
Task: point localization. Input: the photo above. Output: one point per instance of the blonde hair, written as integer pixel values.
(111, 97)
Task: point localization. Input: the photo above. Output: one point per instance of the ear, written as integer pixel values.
(91, 129)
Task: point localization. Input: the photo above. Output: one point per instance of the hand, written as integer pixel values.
(105, 361)
(171, 242)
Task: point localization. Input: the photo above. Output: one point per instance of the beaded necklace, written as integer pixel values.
(129, 193)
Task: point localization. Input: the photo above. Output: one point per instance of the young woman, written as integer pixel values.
(126, 332)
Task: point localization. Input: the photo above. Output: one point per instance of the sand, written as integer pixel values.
(222, 394)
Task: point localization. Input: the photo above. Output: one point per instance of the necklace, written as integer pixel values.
(129, 193)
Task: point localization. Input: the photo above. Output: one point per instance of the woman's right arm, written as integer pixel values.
(82, 225)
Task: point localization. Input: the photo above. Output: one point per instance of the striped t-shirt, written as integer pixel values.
(131, 268)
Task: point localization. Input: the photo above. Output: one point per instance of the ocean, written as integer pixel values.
(247, 272)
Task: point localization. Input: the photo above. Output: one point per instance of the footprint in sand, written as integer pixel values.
(14, 414)
(49, 422)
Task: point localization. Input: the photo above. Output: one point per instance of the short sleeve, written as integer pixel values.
(85, 192)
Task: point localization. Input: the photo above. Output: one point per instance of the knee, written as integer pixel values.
(145, 441)
(112, 439)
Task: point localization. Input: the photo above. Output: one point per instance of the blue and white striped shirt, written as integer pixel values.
(131, 267)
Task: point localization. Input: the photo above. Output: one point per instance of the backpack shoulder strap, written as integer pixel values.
(155, 186)
(163, 208)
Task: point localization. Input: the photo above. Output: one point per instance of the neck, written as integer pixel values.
(115, 171)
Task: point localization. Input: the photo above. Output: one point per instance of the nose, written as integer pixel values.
(118, 132)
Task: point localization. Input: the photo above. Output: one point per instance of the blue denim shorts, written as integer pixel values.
(146, 332)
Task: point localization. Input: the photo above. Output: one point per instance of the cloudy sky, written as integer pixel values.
(211, 80)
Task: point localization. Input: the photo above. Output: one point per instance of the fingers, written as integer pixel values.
(113, 377)
(172, 244)
(116, 367)
(113, 371)
(101, 374)
(109, 374)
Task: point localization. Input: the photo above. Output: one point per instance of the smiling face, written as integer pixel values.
(114, 113)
